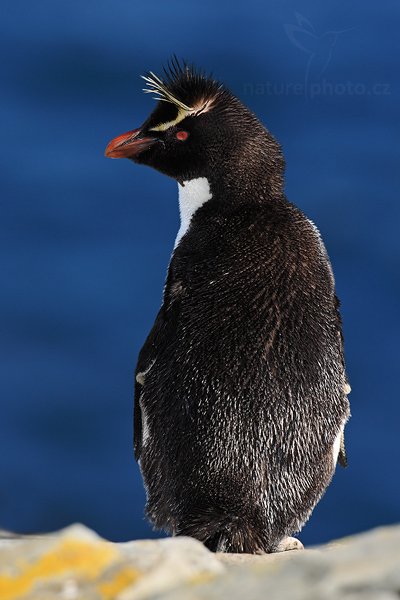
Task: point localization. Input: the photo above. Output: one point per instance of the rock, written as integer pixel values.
(76, 564)
(362, 567)
(168, 563)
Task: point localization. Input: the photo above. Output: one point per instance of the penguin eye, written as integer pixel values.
(182, 135)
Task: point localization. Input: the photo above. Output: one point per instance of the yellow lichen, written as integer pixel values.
(201, 578)
(69, 557)
(110, 589)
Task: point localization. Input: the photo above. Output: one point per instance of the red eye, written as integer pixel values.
(182, 135)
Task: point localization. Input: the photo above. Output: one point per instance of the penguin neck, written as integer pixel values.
(256, 182)
(192, 195)
(259, 183)
(251, 171)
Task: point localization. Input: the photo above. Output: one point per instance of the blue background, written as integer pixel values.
(85, 241)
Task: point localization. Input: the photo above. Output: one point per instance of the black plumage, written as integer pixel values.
(241, 386)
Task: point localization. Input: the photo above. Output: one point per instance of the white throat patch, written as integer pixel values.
(192, 195)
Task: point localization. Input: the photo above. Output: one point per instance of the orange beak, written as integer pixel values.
(129, 144)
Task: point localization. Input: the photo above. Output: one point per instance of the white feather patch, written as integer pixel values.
(145, 426)
(140, 377)
(336, 445)
(347, 388)
(322, 249)
(192, 195)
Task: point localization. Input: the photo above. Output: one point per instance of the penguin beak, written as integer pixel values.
(129, 144)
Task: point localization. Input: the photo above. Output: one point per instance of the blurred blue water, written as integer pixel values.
(85, 241)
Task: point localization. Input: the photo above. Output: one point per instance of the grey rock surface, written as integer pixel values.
(77, 564)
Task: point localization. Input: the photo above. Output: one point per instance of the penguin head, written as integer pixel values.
(197, 129)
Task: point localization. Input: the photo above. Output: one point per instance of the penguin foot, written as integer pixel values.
(289, 543)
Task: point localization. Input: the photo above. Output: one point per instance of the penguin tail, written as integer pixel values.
(221, 532)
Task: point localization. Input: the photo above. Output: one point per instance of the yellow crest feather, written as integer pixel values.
(156, 86)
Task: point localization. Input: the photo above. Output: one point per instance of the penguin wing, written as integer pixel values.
(342, 456)
(156, 342)
(137, 424)
(146, 359)
(339, 329)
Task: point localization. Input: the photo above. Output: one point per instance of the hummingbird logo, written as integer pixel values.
(318, 47)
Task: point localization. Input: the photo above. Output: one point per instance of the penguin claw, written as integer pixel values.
(289, 543)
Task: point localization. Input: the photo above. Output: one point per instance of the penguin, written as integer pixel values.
(241, 388)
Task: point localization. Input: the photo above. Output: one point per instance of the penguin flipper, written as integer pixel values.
(156, 341)
(342, 456)
(137, 424)
(146, 359)
(339, 329)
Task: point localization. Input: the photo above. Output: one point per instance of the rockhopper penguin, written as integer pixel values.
(241, 390)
